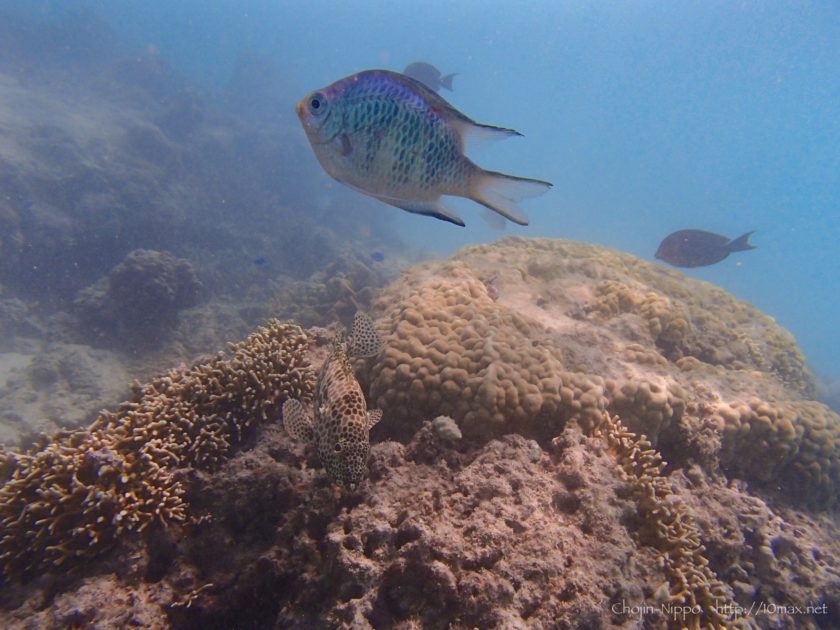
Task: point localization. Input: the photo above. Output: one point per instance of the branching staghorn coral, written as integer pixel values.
(72, 496)
(670, 528)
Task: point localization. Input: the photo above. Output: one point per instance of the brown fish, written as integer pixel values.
(429, 76)
(697, 248)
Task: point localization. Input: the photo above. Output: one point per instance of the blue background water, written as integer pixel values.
(647, 116)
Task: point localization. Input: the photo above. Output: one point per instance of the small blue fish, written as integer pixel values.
(259, 261)
(378, 256)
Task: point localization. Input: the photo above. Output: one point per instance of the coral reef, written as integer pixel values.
(137, 303)
(577, 521)
(570, 330)
(795, 442)
(449, 533)
(72, 496)
(335, 293)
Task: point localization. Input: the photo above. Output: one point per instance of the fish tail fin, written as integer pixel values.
(740, 244)
(447, 80)
(500, 192)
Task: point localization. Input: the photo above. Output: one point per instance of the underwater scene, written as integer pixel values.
(419, 315)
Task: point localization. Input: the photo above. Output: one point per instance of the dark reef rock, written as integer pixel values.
(137, 303)
(443, 535)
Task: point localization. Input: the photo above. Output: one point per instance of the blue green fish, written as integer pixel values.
(388, 136)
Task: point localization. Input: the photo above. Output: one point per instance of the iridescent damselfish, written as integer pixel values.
(390, 137)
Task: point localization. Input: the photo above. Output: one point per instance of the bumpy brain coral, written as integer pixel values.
(527, 334)
(72, 496)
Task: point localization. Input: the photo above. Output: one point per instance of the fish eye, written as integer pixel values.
(317, 104)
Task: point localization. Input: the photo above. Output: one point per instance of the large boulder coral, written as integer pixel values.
(137, 303)
(527, 334)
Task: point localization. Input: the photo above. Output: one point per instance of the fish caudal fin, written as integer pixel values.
(500, 192)
(493, 220)
(297, 422)
(366, 341)
(740, 244)
(447, 80)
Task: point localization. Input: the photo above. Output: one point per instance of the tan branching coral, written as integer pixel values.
(669, 527)
(71, 496)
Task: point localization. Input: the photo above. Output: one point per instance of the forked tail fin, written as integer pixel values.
(446, 81)
(740, 244)
(500, 192)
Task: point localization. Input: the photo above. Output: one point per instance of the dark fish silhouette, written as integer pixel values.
(697, 248)
(429, 76)
(259, 261)
(377, 256)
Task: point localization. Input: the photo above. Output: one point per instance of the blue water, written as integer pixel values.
(648, 117)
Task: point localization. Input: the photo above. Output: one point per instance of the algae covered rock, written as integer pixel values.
(138, 302)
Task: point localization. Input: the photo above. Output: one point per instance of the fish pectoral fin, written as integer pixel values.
(429, 208)
(297, 422)
(373, 416)
(346, 145)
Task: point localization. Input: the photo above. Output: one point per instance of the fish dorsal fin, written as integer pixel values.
(472, 133)
(373, 416)
(366, 341)
(475, 134)
(297, 422)
(337, 345)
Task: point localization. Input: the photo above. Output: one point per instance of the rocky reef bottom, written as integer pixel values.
(572, 438)
(445, 534)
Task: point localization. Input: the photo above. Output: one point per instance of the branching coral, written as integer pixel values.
(669, 527)
(72, 496)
